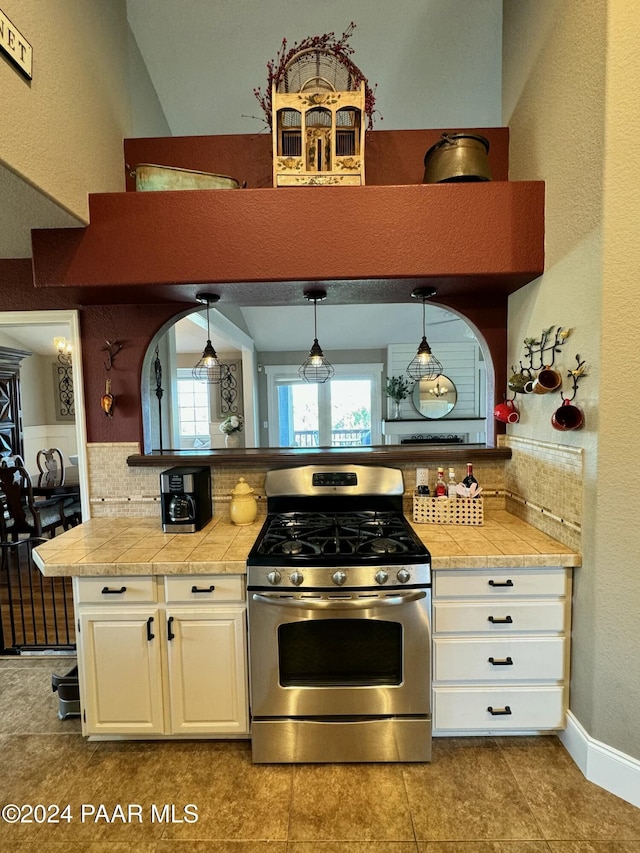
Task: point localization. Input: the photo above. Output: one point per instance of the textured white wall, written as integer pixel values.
(569, 90)
(617, 583)
(63, 131)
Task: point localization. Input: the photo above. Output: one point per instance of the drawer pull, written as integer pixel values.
(508, 582)
(499, 712)
(170, 634)
(498, 621)
(150, 634)
(107, 591)
(198, 589)
(500, 661)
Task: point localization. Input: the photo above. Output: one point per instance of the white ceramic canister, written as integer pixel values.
(243, 509)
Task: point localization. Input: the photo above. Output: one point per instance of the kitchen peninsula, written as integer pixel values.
(151, 607)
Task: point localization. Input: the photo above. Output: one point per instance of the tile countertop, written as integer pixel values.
(137, 546)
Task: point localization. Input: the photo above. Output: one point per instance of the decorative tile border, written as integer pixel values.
(544, 487)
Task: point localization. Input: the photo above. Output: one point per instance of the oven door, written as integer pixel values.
(344, 653)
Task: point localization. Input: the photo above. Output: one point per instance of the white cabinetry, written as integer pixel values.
(500, 649)
(162, 656)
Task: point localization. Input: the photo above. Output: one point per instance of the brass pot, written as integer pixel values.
(457, 157)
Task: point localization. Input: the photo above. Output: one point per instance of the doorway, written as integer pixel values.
(36, 612)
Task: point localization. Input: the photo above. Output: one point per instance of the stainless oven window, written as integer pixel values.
(340, 653)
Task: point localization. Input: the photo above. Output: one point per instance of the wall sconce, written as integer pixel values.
(315, 368)
(424, 364)
(63, 349)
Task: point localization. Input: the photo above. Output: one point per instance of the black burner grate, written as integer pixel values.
(325, 535)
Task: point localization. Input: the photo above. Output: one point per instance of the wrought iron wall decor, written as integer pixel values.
(229, 403)
(112, 348)
(63, 382)
(575, 376)
(157, 368)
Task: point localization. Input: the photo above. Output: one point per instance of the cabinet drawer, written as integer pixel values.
(116, 590)
(524, 707)
(498, 617)
(501, 583)
(526, 658)
(203, 588)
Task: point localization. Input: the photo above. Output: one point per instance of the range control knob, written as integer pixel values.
(403, 575)
(274, 578)
(296, 578)
(339, 577)
(382, 576)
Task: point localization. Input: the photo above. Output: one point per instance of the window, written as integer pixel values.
(193, 411)
(343, 412)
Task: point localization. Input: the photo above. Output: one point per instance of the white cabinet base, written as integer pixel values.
(173, 668)
(500, 650)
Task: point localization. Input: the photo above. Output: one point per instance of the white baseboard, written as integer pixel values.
(601, 764)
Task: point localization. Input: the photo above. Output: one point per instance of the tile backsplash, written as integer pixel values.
(541, 483)
(115, 489)
(544, 487)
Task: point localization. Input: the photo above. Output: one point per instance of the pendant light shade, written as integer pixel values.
(424, 364)
(209, 369)
(315, 368)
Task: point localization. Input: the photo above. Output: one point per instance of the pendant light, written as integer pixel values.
(315, 368)
(424, 365)
(209, 369)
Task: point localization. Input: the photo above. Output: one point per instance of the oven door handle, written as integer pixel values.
(340, 604)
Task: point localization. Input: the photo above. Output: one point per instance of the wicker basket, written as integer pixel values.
(447, 510)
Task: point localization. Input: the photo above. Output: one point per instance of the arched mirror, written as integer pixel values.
(434, 398)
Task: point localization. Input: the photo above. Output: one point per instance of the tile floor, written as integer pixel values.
(479, 795)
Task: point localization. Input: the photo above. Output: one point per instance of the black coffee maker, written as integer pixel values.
(185, 495)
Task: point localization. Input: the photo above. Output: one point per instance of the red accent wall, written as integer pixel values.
(144, 256)
(391, 156)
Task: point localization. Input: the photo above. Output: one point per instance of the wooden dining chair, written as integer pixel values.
(22, 514)
(50, 462)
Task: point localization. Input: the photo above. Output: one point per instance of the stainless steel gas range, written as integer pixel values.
(339, 620)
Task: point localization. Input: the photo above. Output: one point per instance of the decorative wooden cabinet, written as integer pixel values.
(162, 656)
(500, 650)
(11, 438)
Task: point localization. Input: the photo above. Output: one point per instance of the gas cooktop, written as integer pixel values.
(317, 537)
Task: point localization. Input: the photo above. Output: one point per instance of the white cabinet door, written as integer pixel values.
(121, 671)
(207, 670)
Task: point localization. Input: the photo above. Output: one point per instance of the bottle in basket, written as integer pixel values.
(451, 485)
(441, 486)
(470, 481)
